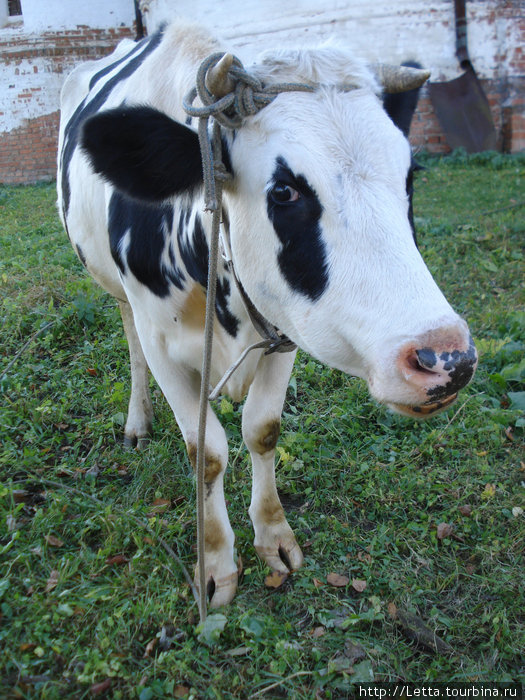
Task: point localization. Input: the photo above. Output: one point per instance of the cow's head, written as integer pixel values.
(320, 222)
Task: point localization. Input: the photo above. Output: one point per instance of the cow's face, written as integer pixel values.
(323, 244)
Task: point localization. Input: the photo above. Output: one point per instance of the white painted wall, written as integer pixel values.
(46, 15)
(4, 14)
(384, 30)
(39, 86)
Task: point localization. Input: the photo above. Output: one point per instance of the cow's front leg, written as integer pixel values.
(261, 420)
(221, 569)
(181, 387)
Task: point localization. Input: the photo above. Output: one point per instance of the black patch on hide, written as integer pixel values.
(302, 257)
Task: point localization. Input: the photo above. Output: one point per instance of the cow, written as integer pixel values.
(317, 212)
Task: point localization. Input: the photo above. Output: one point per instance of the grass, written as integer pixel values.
(93, 605)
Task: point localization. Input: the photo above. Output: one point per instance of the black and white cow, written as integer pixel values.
(319, 217)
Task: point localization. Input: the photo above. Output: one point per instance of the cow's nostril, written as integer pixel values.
(427, 359)
(420, 364)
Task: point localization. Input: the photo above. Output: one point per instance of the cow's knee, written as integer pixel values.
(261, 437)
(214, 464)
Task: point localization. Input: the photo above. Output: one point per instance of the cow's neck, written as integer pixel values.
(276, 340)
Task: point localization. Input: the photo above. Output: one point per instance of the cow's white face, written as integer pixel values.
(323, 244)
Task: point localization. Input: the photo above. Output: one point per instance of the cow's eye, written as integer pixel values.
(283, 194)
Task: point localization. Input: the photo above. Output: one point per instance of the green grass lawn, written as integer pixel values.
(425, 520)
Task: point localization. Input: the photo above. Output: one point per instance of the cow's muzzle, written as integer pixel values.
(435, 372)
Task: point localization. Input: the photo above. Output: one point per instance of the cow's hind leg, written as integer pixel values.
(140, 410)
(261, 419)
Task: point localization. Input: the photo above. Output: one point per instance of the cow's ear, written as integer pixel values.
(400, 106)
(143, 152)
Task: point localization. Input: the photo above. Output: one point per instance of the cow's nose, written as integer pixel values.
(439, 371)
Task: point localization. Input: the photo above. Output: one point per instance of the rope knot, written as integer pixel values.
(241, 94)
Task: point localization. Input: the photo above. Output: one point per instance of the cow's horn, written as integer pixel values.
(218, 82)
(400, 78)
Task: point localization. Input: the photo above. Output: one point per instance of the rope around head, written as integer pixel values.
(248, 97)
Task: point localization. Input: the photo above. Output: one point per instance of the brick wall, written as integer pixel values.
(35, 67)
(28, 153)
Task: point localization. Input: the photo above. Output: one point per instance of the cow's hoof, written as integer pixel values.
(220, 591)
(284, 556)
(140, 442)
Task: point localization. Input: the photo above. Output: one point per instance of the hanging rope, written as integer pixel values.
(247, 97)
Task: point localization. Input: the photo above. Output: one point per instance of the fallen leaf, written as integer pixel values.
(517, 511)
(465, 510)
(180, 691)
(358, 585)
(337, 580)
(354, 651)
(92, 371)
(509, 433)
(275, 579)
(363, 672)
(52, 580)
(210, 630)
(167, 635)
(117, 559)
(318, 632)
(444, 530)
(489, 491)
(98, 688)
(414, 628)
(364, 556)
(28, 646)
(341, 664)
(317, 583)
(53, 541)
(150, 647)
(92, 472)
(392, 610)
(238, 651)
(161, 504)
